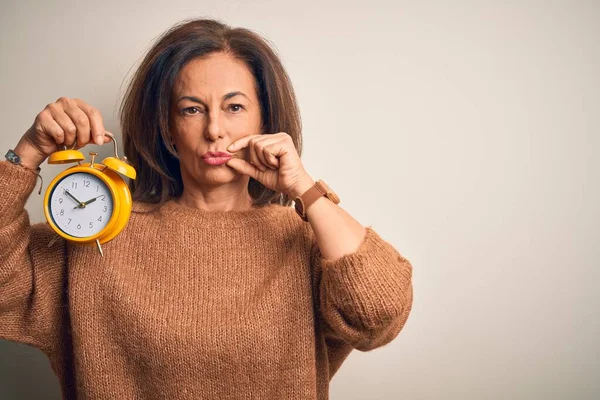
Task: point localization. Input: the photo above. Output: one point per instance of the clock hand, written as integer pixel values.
(73, 197)
(85, 203)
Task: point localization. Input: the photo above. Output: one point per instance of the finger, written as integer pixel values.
(259, 149)
(269, 159)
(254, 160)
(266, 156)
(96, 124)
(239, 144)
(273, 150)
(65, 122)
(243, 167)
(106, 137)
(45, 123)
(261, 144)
(81, 121)
(274, 161)
(253, 155)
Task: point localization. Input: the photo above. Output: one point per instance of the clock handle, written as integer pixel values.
(117, 164)
(112, 137)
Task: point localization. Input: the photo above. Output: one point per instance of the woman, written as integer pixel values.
(216, 288)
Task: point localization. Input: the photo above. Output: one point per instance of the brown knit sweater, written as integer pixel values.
(190, 304)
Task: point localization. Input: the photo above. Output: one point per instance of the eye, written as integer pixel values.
(191, 110)
(236, 107)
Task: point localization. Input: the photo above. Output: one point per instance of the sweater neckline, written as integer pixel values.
(219, 219)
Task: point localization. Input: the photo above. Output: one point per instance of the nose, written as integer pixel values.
(214, 130)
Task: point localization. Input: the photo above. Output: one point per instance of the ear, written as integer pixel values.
(173, 145)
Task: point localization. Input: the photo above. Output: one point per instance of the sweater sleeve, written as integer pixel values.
(31, 274)
(364, 297)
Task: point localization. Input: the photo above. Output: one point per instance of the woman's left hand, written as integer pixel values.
(274, 162)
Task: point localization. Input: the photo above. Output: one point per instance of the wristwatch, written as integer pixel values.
(13, 157)
(320, 188)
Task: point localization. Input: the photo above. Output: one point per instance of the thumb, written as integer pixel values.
(106, 138)
(243, 167)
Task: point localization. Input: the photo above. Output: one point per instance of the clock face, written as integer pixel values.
(81, 204)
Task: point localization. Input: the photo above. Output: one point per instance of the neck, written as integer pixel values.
(227, 197)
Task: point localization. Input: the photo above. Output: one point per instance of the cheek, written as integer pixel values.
(244, 128)
(185, 130)
(177, 127)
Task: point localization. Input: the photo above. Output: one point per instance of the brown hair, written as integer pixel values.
(145, 109)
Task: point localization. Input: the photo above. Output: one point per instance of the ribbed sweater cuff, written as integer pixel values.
(16, 184)
(370, 286)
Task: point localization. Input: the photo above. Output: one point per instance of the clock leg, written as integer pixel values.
(99, 247)
(53, 240)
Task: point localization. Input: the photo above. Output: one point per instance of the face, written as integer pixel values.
(214, 102)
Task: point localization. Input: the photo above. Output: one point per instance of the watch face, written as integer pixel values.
(330, 193)
(81, 204)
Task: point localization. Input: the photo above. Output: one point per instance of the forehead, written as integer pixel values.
(214, 74)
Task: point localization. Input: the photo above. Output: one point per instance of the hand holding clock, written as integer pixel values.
(66, 122)
(72, 123)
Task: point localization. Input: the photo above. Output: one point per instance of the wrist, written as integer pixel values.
(303, 184)
(30, 157)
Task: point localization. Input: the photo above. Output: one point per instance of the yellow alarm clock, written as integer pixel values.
(89, 203)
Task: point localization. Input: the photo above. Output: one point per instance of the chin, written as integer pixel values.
(221, 174)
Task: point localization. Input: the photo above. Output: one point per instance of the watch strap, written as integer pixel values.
(310, 196)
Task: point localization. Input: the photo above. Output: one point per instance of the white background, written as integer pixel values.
(465, 133)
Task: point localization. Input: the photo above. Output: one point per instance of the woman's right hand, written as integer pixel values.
(66, 122)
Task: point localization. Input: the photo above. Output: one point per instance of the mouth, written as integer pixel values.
(216, 158)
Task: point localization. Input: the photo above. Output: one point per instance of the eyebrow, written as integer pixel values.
(225, 97)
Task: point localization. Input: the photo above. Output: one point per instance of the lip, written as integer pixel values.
(216, 157)
(216, 154)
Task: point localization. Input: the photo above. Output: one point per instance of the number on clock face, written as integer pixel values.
(81, 204)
